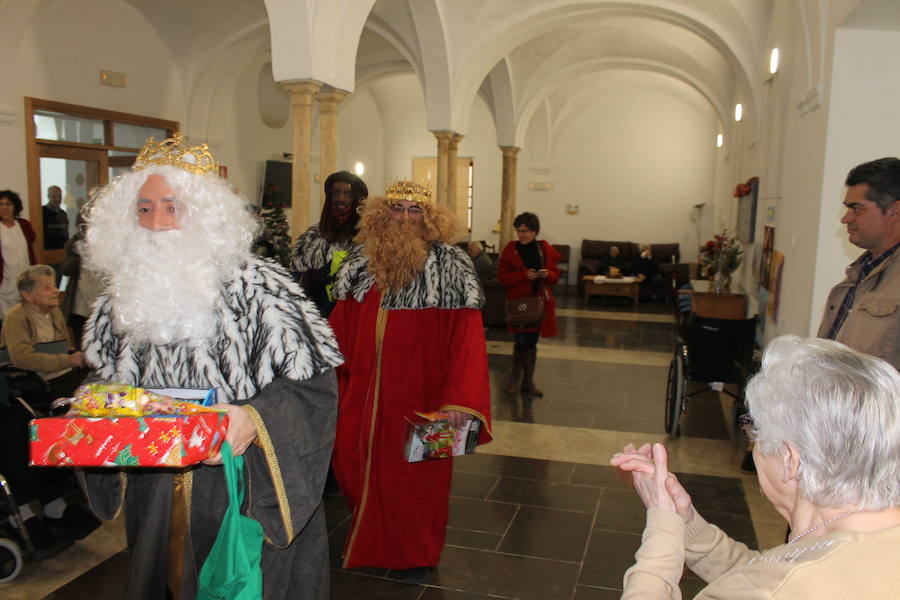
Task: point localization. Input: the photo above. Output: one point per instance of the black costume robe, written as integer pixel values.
(274, 354)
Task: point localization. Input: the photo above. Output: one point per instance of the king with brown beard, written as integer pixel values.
(408, 323)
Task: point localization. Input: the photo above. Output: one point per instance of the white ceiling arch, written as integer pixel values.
(723, 30)
(591, 71)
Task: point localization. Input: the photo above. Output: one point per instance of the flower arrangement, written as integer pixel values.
(719, 258)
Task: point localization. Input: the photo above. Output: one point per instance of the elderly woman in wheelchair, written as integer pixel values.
(826, 423)
(36, 341)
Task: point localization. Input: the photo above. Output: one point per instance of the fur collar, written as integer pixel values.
(314, 252)
(447, 281)
(269, 329)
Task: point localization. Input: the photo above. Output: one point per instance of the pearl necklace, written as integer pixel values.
(823, 524)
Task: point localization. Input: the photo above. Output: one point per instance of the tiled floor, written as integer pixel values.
(537, 514)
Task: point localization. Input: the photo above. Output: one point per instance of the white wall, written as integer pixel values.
(58, 60)
(862, 126)
(635, 162)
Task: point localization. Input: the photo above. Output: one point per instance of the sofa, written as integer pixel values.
(594, 252)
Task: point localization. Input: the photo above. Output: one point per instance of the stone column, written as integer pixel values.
(328, 101)
(301, 93)
(453, 204)
(443, 148)
(508, 195)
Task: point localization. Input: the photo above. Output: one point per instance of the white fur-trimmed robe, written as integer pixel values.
(448, 280)
(273, 354)
(268, 330)
(312, 251)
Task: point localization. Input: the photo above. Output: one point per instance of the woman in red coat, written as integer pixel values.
(528, 268)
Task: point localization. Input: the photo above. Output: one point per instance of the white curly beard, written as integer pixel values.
(170, 290)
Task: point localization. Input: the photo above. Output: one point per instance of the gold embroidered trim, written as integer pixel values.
(469, 411)
(380, 326)
(187, 481)
(275, 470)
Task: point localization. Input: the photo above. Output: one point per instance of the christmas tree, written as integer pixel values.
(275, 238)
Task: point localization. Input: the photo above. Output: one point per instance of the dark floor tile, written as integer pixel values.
(480, 515)
(336, 511)
(472, 485)
(109, 576)
(608, 556)
(547, 533)
(583, 592)
(348, 585)
(736, 524)
(504, 575)
(690, 587)
(546, 494)
(595, 404)
(513, 466)
(433, 593)
(710, 493)
(478, 540)
(621, 510)
(543, 417)
(601, 476)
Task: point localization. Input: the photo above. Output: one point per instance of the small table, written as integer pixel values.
(627, 287)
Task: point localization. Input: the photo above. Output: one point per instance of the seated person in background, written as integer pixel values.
(36, 319)
(647, 271)
(827, 427)
(614, 265)
(484, 266)
(62, 523)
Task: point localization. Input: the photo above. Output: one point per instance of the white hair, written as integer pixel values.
(841, 410)
(165, 285)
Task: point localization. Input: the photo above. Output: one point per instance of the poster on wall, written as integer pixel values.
(762, 312)
(765, 263)
(775, 284)
(747, 193)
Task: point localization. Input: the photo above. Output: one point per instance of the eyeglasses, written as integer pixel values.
(413, 211)
(524, 230)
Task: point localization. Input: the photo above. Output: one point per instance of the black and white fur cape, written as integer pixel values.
(268, 329)
(313, 252)
(448, 280)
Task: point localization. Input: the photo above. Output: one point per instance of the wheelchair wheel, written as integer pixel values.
(10, 560)
(675, 395)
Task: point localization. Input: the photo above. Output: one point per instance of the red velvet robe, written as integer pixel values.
(514, 277)
(431, 359)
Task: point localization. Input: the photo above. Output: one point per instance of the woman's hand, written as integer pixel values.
(241, 431)
(543, 273)
(458, 419)
(532, 274)
(654, 484)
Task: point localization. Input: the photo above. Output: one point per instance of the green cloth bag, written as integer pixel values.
(232, 570)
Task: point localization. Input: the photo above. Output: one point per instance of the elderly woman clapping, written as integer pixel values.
(36, 319)
(827, 429)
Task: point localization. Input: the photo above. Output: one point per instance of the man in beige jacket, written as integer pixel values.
(863, 311)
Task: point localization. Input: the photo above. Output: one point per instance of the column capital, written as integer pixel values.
(447, 136)
(510, 151)
(330, 98)
(301, 91)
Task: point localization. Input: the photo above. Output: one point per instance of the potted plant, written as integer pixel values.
(719, 259)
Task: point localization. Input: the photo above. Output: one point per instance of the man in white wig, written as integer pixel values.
(187, 305)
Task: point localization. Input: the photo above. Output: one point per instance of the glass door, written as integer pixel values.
(67, 177)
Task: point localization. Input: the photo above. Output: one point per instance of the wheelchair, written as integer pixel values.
(714, 351)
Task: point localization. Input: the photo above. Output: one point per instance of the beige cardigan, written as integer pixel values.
(836, 565)
(19, 337)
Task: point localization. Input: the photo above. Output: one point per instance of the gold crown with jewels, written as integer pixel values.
(408, 190)
(175, 152)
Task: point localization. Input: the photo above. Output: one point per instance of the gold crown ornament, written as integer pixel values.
(175, 152)
(408, 190)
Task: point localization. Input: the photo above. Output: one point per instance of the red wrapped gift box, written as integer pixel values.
(152, 441)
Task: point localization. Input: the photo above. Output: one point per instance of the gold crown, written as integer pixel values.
(175, 152)
(408, 190)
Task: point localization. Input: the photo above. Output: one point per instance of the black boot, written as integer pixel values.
(528, 360)
(515, 376)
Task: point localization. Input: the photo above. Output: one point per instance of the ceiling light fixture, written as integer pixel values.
(359, 169)
(720, 140)
(738, 112)
(773, 61)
